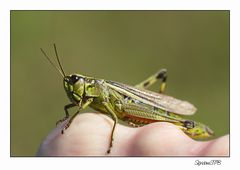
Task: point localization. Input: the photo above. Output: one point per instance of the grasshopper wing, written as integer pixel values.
(158, 100)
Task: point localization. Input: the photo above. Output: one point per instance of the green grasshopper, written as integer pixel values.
(132, 104)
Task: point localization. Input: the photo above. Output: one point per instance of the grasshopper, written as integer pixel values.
(132, 104)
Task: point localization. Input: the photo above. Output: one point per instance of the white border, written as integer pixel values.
(114, 163)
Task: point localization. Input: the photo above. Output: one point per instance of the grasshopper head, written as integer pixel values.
(74, 86)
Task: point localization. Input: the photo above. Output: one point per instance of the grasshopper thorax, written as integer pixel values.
(74, 86)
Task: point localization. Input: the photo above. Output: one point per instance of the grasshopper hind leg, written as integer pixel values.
(160, 75)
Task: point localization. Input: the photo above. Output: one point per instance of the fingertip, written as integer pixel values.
(87, 135)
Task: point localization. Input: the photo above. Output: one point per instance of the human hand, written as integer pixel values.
(89, 135)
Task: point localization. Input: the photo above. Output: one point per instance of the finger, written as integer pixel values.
(89, 135)
(218, 147)
(165, 139)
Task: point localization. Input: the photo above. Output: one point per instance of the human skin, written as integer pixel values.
(89, 135)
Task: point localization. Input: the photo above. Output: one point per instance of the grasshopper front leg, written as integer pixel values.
(81, 108)
(109, 108)
(66, 112)
(160, 75)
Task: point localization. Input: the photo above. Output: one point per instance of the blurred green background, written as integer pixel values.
(124, 46)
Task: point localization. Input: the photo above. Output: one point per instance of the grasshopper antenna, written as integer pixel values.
(59, 70)
(59, 63)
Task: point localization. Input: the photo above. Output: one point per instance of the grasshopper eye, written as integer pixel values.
(74, 79)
